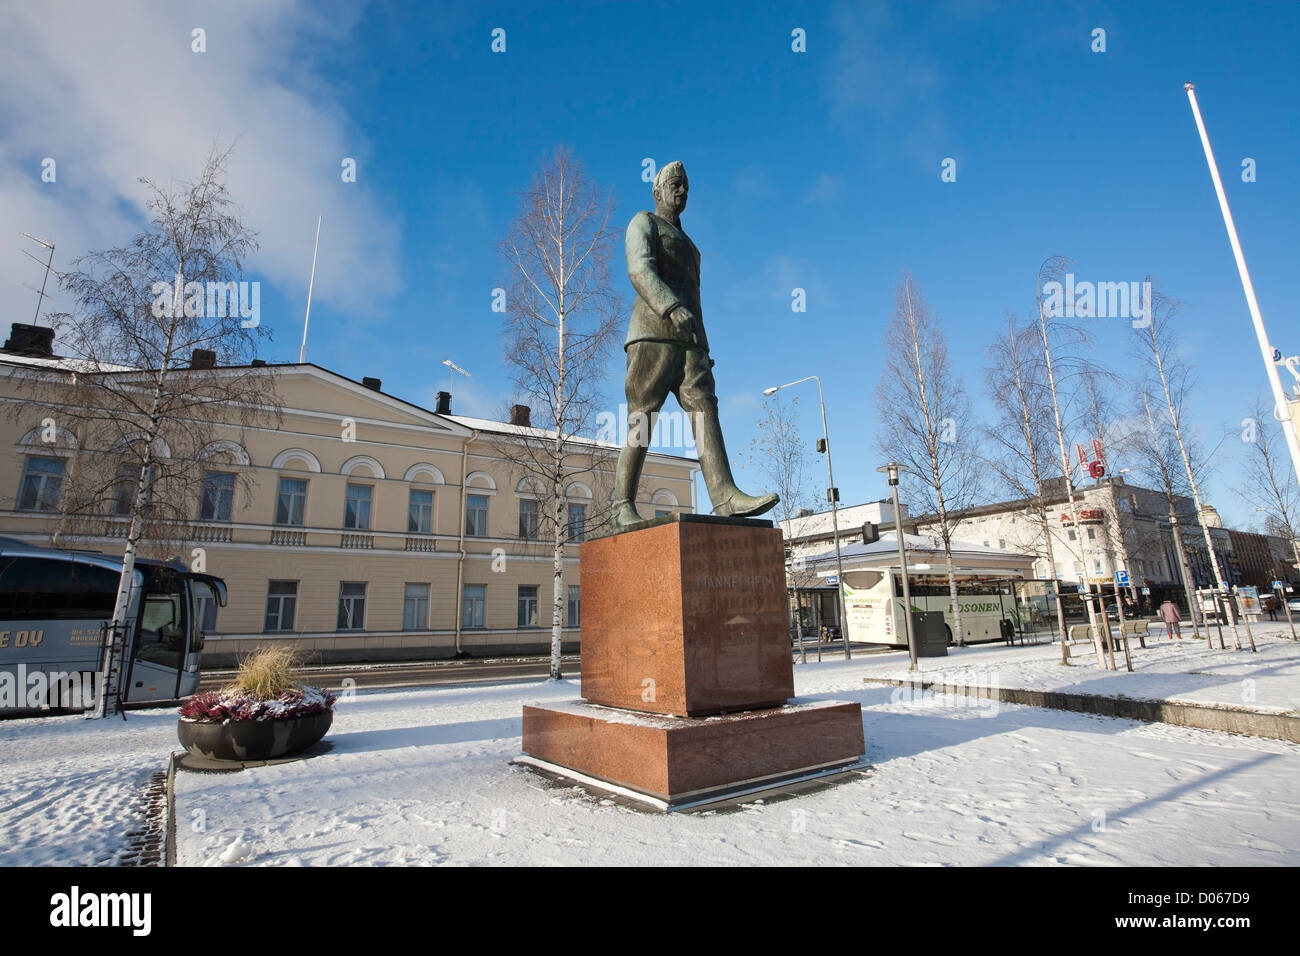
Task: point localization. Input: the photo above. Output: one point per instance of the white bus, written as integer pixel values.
(54, 610)
(873, 602)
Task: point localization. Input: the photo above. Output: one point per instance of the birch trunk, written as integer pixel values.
(1158, 355)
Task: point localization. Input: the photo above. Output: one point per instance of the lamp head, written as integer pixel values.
(892, 469)
(772, 391)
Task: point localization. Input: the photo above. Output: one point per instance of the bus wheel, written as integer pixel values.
(949, 632)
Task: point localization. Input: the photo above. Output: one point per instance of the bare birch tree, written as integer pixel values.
(146, 421)
(779, 454)
(561, 324)
(1116, 436)
(1269, 482)
(1159, 351)
(1019, 441)
(926, 422)
(1049, 328)
(1157, 455)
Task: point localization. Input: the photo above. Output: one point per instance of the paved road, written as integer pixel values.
(417, 673)
(424, 673)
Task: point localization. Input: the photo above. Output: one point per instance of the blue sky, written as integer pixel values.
(818, 170)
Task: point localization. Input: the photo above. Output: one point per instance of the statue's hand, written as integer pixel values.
(683, 322)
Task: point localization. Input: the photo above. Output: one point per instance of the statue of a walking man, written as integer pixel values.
(667, 351)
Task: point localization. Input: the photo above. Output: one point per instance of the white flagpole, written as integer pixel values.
(302, 352)
(1282, 409)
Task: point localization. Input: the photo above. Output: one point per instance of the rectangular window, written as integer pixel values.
(1096, 565)
(291, 501)
(352, 606)
(577, 522)
(1072, 535)
(575, 606)
(1002, 543)
(415, 608)
(1092, 534)
(528, 518)
(42, 485)
(527, 605)
(356, 507)
(473, 606)
(420, 516)
(476, 516)
(217, 499)
(663, 512)
(281, 602)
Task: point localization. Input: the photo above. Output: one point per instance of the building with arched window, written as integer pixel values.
(362, 526)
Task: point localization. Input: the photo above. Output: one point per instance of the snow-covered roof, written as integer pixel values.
(62, 363)
(528, 431)
(921, 548)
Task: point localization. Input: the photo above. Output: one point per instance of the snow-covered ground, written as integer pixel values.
(423, 776)
(72, 790)
(1267, 680)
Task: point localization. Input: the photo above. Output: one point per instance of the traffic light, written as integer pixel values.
(821, 446)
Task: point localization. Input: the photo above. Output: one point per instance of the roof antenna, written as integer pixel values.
(40, 295)
(453, 367)
(302, 352)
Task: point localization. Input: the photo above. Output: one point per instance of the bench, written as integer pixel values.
(1080, 632)
(1140, 629)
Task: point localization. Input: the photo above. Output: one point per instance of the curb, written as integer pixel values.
(169, 838)
(1225, 718)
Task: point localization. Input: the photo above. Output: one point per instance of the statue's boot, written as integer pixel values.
(630, 460)
(728, 500)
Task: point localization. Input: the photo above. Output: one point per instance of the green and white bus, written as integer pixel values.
(55, 607)
(873, 602)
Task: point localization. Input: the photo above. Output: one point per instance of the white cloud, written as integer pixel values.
(113, 92)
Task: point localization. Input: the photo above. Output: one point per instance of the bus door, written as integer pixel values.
(161, 644)
(206, 591)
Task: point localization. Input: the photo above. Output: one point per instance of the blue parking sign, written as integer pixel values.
(1121, 578)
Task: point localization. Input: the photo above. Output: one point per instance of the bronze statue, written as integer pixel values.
(667, 351)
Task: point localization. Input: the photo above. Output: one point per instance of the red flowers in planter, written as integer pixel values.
(217, 707)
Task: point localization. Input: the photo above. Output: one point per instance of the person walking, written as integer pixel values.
(1169, 614)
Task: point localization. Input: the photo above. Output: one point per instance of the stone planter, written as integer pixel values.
(241, 740)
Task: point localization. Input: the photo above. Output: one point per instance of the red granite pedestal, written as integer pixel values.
(687, 672)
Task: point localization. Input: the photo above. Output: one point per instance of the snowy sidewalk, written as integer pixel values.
(1267, 681)
(424, 777)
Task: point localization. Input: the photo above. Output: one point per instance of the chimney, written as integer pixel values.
(444, 404)
(521, 415)
(372, 383)
(34, 341)
(203, 358)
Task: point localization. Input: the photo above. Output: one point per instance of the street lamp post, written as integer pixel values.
(833, 494)
(892, 469)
